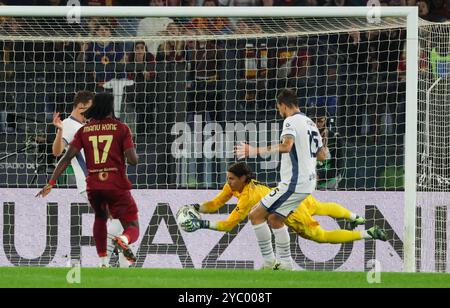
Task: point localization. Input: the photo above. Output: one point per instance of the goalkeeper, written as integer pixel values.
(249, 192)
(242, 185)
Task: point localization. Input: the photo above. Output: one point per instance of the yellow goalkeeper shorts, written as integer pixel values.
(301, 220)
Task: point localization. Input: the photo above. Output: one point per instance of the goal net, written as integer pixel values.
(191, 89)
(433, 149)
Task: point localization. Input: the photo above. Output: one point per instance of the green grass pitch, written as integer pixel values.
(188, 278)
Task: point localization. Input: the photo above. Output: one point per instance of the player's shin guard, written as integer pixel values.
(100, 236)
(264, 237)
(283, 246)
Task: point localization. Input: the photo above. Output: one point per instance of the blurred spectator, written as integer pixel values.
(190, 31)
(288, 2)
(255, 65)
(3, 19)
(339, 2)
(171, 72)
(99, 2)
(141, 55)
(425, 12)
(215, 25)
(385, 50)
(440, 10)
(92, 24)
(246, 2)
(55, 2)
(329, 172)
(62, 52)
(143, 93)
(401, 69)
(440, 59)
(397, 3)
(152, 26)
(206, 65)
(157, 3)
(19, 50)
(117, 86)
(105, 52)
(171, 50)
(371, 51)
(293, 62)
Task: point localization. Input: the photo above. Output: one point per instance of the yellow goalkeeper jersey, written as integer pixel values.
(250, 196)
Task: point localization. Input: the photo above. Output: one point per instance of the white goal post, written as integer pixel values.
(409, 14)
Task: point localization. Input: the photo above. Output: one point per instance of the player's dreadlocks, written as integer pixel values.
(241, 169)
(102, 107)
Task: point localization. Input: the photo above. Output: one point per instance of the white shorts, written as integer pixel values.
(282, 202)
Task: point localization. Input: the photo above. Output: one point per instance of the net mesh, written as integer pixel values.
(190, 89)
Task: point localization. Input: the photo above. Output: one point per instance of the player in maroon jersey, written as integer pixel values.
(106, 142)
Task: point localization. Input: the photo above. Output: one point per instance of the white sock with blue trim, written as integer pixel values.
(283, 245)
(264, 237)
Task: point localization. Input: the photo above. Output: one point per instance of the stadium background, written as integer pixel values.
(38, 79)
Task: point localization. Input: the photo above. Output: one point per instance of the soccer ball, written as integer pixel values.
(185, 213)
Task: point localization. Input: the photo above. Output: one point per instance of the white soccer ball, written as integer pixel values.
(186, 213)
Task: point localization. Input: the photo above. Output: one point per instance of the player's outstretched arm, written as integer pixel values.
(132, 157)
(60, 168)
(58, 144)
(227, 225)
(244, 150)
(214, 205)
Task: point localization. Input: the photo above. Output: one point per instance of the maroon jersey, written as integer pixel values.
(104, 143)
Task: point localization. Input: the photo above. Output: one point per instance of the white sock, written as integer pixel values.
(353, 217)
(110, 247)
(213, 225)
(264, 237)
(115, 229)
(283, 244)
(123, 262)
(104, 261)
(365, 235)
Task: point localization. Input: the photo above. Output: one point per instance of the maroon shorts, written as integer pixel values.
(119, 203)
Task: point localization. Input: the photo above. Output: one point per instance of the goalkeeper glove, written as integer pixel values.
(195, 224)
(196, 206)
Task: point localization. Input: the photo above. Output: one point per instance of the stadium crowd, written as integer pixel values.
(358, 77)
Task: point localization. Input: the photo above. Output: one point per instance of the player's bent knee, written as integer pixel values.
(257, 215)
(275, 222)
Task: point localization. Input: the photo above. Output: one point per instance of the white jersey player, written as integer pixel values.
(301, 147)
(66, 132)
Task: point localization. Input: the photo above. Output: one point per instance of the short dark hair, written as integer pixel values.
(102, 107)
(241, 169)
(82, 97)
(288, 97)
